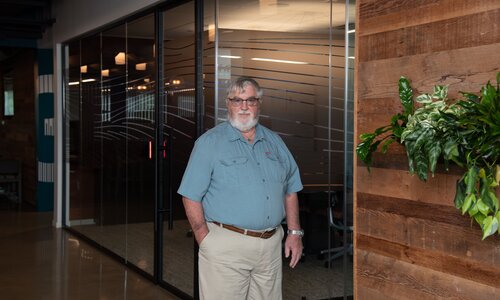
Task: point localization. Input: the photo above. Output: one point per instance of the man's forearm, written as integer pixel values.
(292, 211)
(194, 212)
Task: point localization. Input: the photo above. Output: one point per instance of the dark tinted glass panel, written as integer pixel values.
(140, 132)
(179, 132)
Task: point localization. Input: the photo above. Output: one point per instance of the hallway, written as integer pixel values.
(38, 261)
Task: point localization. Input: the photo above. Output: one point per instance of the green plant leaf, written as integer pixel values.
(488, 94)
(411, 161)
(479, 219)
(487, 195)
(440, 92)
(497, 173)
(494, 199)
(363, 150)
(433, 151)
(406, 95)
(450, 149)
(424, 99)
(497, 215)
(483, 208)
(474, 209)
(490, 226)
(422, 166)
(471, 179)
(409, 135)
(469, 200)
(459, 194)
(470, 96)
(425, 137)
(366, 136)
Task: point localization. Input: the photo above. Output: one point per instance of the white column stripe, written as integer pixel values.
(45, 84)
(45, 172)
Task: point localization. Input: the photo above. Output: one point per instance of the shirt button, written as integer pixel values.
(263, 180)
(258, 164)
(267, 197)
(268, 217)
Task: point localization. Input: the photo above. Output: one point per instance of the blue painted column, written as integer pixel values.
(45, 131)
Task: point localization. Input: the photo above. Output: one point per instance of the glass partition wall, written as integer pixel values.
(128, 139)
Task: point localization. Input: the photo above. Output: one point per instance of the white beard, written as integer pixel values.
(243, 126)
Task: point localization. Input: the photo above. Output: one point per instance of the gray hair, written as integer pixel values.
(238, 86)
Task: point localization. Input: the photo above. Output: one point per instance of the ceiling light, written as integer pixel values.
(120, 58)
(351, 57)
(352, 31)
(280, 61)
(140, 67)
(230, 56)
(83, 69)
(88, 80)
(176, 81)
(211, 32)
(105, 73)
(74, 83)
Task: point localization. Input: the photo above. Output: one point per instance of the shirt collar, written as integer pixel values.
(234, 134)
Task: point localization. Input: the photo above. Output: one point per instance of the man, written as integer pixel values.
(239, 183)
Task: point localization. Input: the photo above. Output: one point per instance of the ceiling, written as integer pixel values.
(24, 19)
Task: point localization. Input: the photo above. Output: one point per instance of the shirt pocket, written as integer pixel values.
(235, 169)
(277, 170)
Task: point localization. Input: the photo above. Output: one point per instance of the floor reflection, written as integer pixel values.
(310, 279)
(39, 261)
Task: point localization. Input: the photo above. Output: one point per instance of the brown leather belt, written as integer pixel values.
(262, 234)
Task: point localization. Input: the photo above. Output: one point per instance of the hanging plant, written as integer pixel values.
(465, 132)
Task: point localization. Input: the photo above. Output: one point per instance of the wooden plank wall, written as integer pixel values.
(410, 241)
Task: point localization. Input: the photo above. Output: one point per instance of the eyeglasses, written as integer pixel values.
(236, 102)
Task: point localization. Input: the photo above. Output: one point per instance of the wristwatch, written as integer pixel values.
(299, 232)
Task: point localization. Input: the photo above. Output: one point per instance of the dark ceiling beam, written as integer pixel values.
(5, 34)
(25, 21)
(21, 29)
(32, 3)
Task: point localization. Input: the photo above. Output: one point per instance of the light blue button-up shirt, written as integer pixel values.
(239, 183)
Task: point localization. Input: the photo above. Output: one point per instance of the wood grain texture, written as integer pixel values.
(396, 158)
(461, 32)
(436, 260)
(410, 241)
(460, 69)
(403, 280)
(379, 16)
(457, 240)
(400, 184)
(413, 209)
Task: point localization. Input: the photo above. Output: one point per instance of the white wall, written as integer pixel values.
(73, 18)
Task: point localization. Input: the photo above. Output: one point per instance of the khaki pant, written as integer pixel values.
(235, 266)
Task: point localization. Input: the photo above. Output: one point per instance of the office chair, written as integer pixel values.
(338, 225)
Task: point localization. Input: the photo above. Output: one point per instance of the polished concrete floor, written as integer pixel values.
(38, 261)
